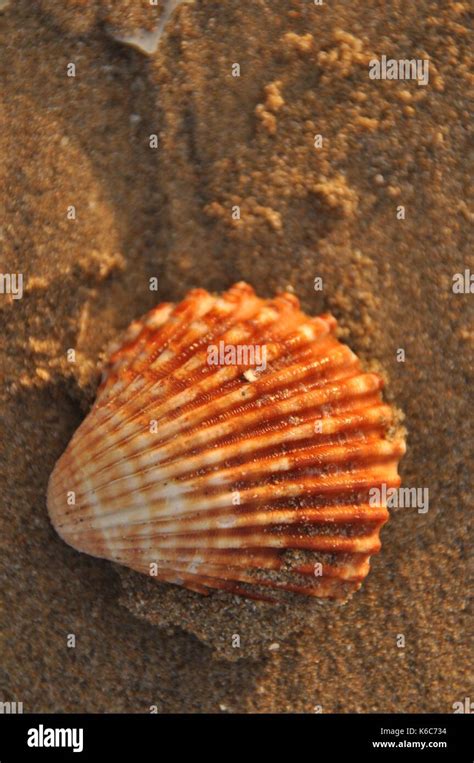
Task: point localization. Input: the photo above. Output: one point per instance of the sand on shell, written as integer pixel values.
(232, 627)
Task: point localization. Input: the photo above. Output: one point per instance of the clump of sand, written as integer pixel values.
(233, 627)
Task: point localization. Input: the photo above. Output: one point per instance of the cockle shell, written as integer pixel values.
(234, 444)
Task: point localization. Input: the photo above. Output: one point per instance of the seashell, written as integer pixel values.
(235, 444)
(143, 40)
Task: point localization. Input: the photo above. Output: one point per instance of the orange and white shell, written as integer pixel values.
(234, 444)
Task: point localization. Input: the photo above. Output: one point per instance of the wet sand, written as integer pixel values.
(306, 212)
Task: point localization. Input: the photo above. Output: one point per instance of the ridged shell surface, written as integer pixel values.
(234, 444)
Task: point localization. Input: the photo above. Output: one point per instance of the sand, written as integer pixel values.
(90, 212)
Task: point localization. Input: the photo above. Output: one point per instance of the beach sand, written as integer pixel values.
(90, 212)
